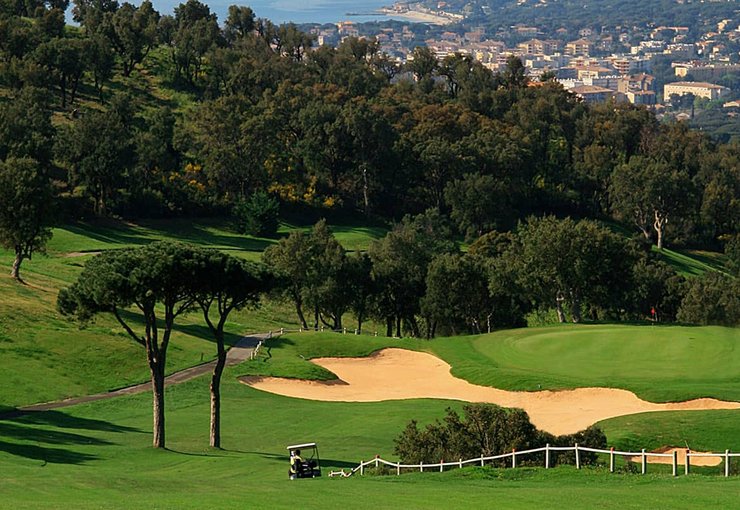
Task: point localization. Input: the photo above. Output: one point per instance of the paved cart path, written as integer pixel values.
(241, 351)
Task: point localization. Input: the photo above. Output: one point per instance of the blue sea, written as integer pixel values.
(297, 11)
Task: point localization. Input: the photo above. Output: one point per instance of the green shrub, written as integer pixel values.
(713, 298)
(257, 215)
(488, 430)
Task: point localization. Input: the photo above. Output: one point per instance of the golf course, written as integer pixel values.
(99, 454)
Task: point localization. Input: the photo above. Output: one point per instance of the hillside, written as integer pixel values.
(596, 13)
(70, 360)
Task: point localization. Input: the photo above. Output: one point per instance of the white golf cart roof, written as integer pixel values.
(299, 446)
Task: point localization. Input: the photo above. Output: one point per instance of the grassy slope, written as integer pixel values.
(69, 361)
(97, 456)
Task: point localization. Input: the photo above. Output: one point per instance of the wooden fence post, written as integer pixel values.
(513, 457)
(727, 463)
(362, 468)
(421, 467)
(441, 467)
(644, 462)
(398, 468)
(687, 466)
(481, 460)
(344, 331)
(376, 461)
(675, 463)
(282, 331)
(611, 460)
(460, 463)
(578, 458)
(547, 456)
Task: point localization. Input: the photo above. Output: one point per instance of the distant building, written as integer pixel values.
(681, 50)
(697, 88)
(581, 47)
(630, 65)
(704, 72)
(641, 97)
(347, 29)
(593, 93)
(635, 83)
(539, 47)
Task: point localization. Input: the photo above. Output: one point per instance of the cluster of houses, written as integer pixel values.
(583, 65)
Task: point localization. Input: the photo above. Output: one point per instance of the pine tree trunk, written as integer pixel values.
(216, 397)
(158, 439)
(389, 327)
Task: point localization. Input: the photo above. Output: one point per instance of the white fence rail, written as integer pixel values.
(725, 456)
(346, 331)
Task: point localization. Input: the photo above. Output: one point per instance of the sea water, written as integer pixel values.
(296, 11)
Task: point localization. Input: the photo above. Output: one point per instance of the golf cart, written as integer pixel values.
(301, 467)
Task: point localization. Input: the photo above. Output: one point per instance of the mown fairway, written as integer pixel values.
(658, 363)
(98, 455)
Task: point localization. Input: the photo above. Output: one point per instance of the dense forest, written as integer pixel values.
(137, 114)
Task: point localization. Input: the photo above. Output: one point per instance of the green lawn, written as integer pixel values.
(693, 262)
(67, 360)
(97, 456)
(659, 363)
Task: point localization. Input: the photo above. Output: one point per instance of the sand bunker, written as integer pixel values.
(398, 374)
(680, 458)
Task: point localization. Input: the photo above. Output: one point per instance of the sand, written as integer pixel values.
(681, 458)
(399, 374)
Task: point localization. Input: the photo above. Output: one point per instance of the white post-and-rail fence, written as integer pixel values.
(322, 329)
(481, 461)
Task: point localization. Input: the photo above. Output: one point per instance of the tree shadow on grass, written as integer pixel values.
(119, 234)
(35, 435)
(63, 420)
(203, 332)
(46, 454)
(280, 342)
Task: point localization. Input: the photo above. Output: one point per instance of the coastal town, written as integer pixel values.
(666, 68)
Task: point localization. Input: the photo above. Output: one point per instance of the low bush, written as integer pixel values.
(487, 429)
(257, 215)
